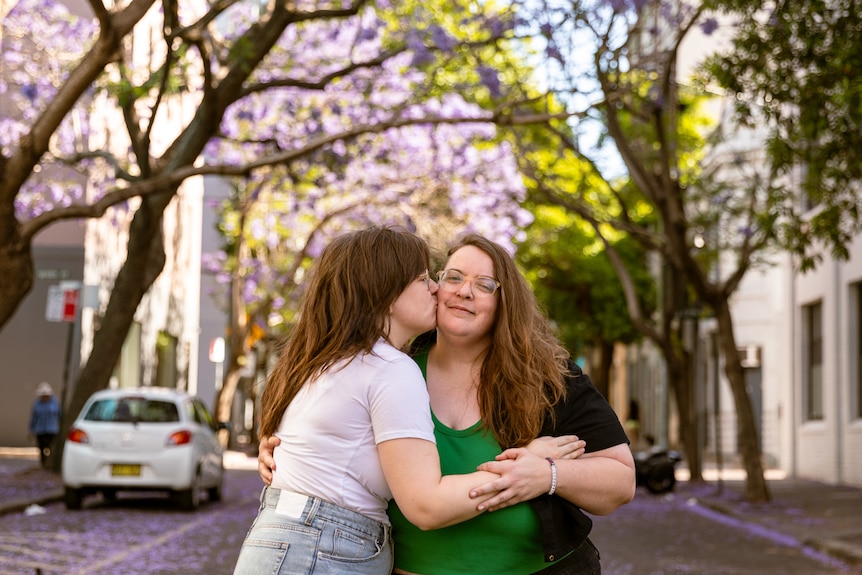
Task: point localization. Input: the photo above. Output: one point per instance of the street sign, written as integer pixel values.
(62, 304)
(70, 304)
(54, 307)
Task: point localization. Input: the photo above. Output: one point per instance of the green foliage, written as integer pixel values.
(573, 279)
(564, 259)
(797, 67)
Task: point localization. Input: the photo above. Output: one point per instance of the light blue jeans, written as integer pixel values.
(296, 534)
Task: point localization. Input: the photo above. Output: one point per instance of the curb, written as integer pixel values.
(22, 504)
(846, 552)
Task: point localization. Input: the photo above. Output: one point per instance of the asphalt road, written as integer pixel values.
(135, 534)
(654, 535)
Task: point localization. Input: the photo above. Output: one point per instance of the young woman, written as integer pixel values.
(351, 412)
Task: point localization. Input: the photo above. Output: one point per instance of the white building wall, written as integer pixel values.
(815, 454)
(848, 437)
(830, 449)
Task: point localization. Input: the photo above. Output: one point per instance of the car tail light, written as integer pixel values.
(180, 437)
(78, 436)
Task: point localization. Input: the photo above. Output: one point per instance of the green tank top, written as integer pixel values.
(505, 542)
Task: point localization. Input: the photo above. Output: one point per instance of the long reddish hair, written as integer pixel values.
(524, 370)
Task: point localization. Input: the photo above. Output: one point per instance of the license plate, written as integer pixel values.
(126, 470)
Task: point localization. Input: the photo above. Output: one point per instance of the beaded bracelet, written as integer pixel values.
(553, 476)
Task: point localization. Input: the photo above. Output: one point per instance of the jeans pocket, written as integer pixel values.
(260, 556)
(350, 545)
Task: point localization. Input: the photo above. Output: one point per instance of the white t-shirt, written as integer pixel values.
(330, 431)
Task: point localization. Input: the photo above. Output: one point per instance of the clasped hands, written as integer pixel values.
(524, 471)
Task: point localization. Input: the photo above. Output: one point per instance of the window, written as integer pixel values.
(133, 409)
(812, 324)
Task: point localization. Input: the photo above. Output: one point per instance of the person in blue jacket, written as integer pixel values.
(45, 420)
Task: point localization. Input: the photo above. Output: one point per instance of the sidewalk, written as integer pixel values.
(815, 517)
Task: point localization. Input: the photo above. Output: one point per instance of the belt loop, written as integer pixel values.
(315, 505)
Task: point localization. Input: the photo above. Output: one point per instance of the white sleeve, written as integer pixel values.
(399, 402)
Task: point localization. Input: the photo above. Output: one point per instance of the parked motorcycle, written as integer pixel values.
(655, 468)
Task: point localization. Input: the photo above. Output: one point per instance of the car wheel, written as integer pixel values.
(190, 499)
(214, 492)
(73, 498)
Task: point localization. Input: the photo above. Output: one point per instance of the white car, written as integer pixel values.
(146, 438)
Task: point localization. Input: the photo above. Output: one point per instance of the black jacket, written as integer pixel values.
(586, 413)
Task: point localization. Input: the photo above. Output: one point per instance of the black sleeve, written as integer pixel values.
(586, 413)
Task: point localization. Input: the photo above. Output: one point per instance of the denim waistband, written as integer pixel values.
(315, 507)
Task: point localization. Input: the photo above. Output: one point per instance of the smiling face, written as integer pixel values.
(463, 310)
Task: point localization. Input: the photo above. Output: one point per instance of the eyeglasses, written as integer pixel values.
(426, 277)
(452, 280)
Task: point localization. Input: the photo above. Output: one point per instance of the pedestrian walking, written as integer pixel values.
(45, 420)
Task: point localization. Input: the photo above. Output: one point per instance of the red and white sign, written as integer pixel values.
(62, 302)
(70, 304)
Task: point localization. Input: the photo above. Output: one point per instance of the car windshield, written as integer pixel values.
(138, 409)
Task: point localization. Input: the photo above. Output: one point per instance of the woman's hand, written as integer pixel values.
(523, 476)
(265, 458)
(562, 447)
(525, 472)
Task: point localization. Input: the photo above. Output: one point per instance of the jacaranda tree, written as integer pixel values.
(220, 57)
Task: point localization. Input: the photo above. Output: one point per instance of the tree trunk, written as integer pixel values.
(690, 425)
(224, 401)
(679, 358)
(679, 375)
(756, 489)
(144, 262)
(600, 367)
(16, 261)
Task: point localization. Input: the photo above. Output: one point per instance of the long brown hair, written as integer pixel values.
(344, 310)
(524, 370)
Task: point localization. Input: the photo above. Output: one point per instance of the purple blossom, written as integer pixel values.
(619, 5)
(489, 78)
(441, 39)
(30, 91)
(367, 34)
(497, 26)
(421, 55)
(709, 26)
